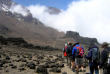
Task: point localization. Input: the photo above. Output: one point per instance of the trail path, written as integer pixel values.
(26, 54)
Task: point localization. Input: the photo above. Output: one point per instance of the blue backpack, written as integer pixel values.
(95, 54)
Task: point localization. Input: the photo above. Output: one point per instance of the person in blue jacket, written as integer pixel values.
(78, 58)
(93, 65)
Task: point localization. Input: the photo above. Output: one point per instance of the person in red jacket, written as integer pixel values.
(65, 54)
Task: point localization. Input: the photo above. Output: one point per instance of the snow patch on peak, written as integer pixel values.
(19, 9)
(5, 8)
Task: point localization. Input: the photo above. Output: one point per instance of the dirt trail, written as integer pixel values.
(25, 54)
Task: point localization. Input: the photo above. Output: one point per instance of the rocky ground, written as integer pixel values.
(32, 61)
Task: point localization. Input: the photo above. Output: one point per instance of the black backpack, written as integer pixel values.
(69, 50)
(107, 63)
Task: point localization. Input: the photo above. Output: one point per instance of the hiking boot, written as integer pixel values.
(73, 70)
(84, 71)
(80, 70)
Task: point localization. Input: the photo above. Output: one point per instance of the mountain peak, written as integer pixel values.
(7, 3)
(80, 39)
(53, 10)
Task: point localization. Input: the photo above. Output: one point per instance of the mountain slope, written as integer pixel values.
(13, 24)
(27, 27)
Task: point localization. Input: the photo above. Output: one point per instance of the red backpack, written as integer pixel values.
(65, 54)
(80, 51)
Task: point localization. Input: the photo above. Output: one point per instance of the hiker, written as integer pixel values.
(69, 53)
(65, 54)
(72, 58)
(78, 51)
(93, 58)
(105, 58)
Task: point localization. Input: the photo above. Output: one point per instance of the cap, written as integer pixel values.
(76, 43)
(104, 44)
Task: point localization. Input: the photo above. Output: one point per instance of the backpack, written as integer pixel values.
(65, 48)
(80, 51)
(95, 54)
(69, 50)
(107, 63)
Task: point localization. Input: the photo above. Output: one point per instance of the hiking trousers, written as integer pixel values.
(66, 60)
(106, 71)
(92, 68)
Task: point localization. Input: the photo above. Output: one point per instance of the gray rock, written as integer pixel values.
(61, 65)
(56, 70)
(14, 67)
(64, 73)
(21, 69)
(7, 58)
(41, 70)
(31, 65)
(1, 64)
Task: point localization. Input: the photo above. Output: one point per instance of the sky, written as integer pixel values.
(61, 4)
(90, 18)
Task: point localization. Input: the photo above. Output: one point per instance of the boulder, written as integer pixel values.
(31, 65)
(42, 70)
(56, 70)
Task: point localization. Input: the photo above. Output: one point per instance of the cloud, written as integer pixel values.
(91, 18)
(19, 9)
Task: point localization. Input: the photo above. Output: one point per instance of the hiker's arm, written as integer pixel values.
(89, 55)
(73, 51)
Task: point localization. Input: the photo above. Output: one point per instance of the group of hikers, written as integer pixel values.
(75, 55)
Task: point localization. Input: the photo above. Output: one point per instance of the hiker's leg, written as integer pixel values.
(96, 70)
(70, 62)
(73, 64)
(67, 60)
(77, 63)
(81, 63)
(82, 68)
(91, 70)
(77, 68)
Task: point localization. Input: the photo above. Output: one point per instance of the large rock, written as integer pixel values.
(52, 65)
(22, 69)
(61, 65)
(7, 58)
(42, 70)
(1, 64)
(31, 65)
(56, 70)
(80, 39)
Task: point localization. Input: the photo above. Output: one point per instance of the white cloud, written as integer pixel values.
(90, 18)
(19, 9)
